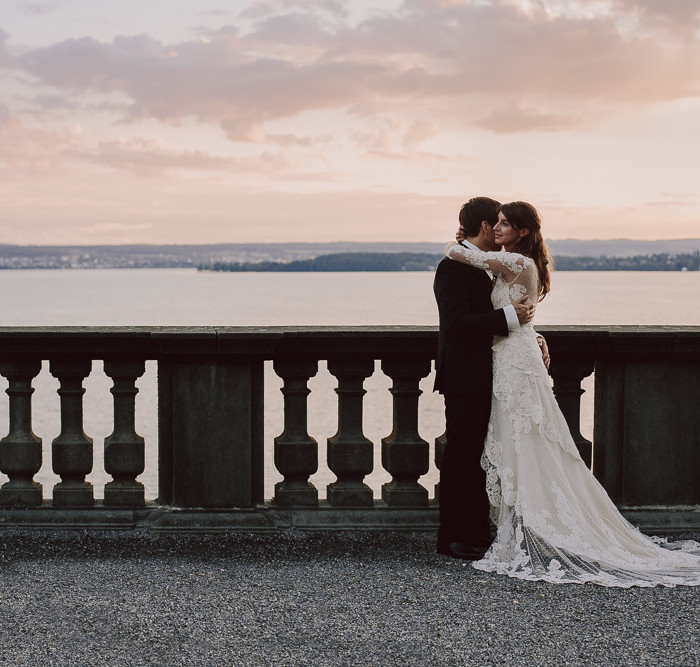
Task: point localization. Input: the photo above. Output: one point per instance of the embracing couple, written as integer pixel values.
(515, 496)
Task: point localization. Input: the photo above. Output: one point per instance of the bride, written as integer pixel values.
(554, 520)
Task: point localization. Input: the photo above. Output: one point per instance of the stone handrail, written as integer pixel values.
(210, 421)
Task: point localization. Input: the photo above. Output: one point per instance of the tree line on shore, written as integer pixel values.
(344, 261)
(408, 261)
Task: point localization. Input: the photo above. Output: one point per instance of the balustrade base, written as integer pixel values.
(176, 520)
(659, 520)
(402, 494)
(124, 494)
(69, 494)
(49, 517)
(20, 494)
(155, 518)
(346, 494)
(295, 494)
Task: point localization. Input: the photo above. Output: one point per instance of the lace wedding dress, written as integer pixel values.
(555, 521)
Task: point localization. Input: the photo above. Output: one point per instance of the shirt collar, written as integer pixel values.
(469, 244)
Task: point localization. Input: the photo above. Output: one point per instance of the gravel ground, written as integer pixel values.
(109, 598)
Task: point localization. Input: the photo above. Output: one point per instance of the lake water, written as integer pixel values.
(187, 297)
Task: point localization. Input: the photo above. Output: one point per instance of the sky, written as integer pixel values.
(205, 121)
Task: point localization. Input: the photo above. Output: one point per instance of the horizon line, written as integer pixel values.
(282, 242)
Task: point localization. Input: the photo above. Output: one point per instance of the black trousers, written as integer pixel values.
(464, 504)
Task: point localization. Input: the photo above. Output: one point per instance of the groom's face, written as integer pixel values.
(490, 237)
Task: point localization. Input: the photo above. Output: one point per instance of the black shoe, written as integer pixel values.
(461, 550)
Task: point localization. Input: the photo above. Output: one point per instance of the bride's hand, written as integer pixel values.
(460, 235)
(544, 349)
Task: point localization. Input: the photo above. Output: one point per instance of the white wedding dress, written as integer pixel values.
(555, 521)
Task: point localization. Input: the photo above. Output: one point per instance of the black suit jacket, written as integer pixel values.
(468, 324)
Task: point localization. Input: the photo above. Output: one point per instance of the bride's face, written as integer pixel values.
(505, 234)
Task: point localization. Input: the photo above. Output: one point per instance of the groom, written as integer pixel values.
(464, 376)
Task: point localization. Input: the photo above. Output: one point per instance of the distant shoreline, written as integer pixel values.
(425, 262)
(569, 255)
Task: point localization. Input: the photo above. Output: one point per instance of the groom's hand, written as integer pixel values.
(524, 311)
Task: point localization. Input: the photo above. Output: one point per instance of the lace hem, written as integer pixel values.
(522, 553)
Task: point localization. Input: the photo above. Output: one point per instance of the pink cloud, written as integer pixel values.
(677, 16)
(518, 118)
(32, 149)
(263, 8)
(153, 157)
(665, 204)
(430, 50)
(37, 8)
(419, 132)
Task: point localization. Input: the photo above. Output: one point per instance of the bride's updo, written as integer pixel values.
(522, 215)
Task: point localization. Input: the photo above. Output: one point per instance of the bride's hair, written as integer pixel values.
(522, 215)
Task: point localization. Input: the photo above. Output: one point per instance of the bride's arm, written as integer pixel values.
(508, 264)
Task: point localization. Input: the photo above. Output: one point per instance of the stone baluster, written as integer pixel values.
(440, 443)
(405, 455)
(568, 374)
(350, 453)
(124, 448)
(20, 449)
(71, 450)
(296, 452)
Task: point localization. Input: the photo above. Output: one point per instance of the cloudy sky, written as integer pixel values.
(188, 121)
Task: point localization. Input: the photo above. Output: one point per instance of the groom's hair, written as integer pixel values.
(477, 210)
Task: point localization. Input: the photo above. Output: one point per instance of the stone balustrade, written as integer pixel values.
(211, 447)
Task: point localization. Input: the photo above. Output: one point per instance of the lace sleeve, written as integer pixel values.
(509, 264)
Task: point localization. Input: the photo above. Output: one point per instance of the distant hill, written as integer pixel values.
(412, 261)
(343, 261)
(657, 262)
(178, 256)
(621, 247)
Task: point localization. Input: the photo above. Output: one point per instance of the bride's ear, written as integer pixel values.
(524, 232)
